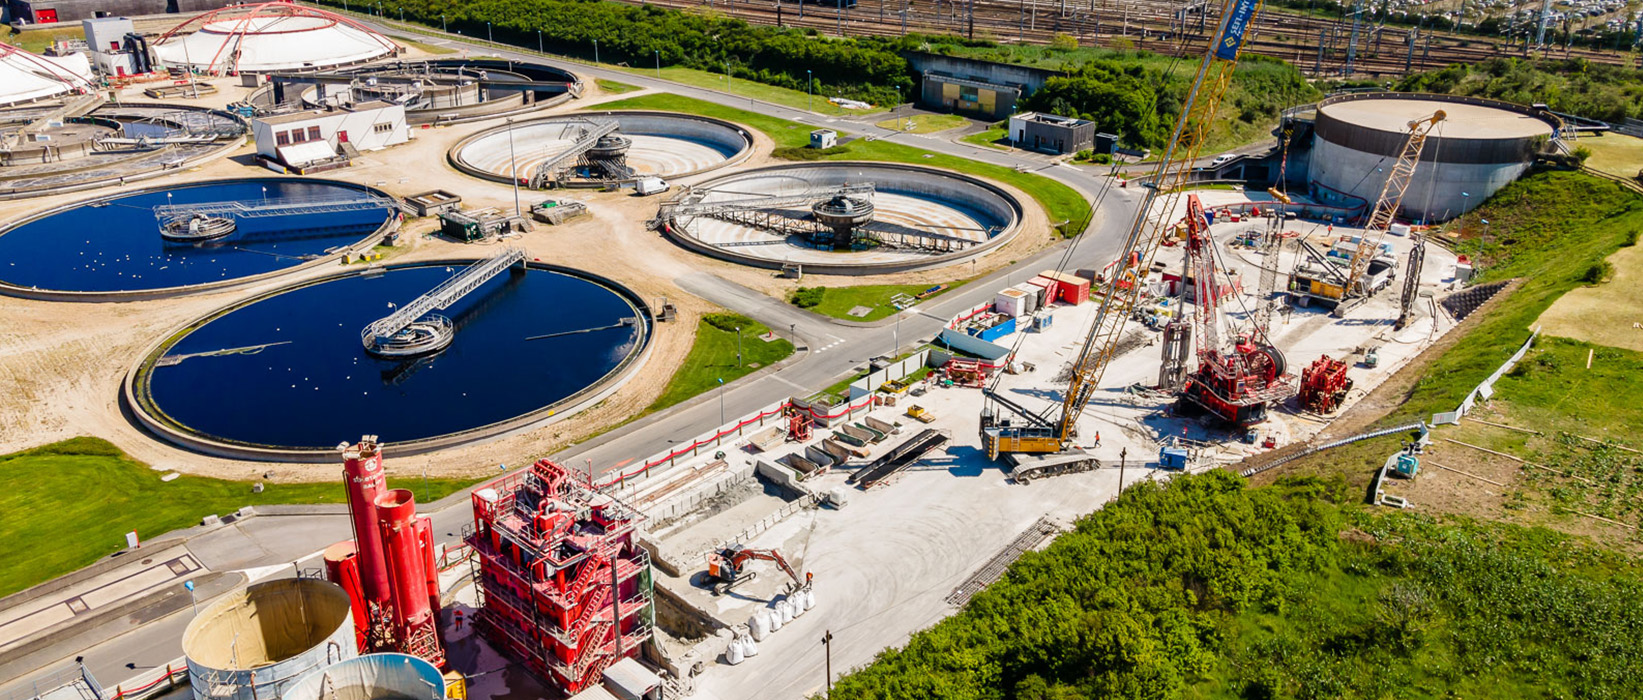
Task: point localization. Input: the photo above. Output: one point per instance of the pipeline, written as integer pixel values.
(1252, 471)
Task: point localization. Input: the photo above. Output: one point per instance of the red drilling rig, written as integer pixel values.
(1234, 381)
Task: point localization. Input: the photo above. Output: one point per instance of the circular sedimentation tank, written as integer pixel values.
(434, 91)
(284, 375)
(844, 218)
(117, 248)
(661, 144)
(1481, 146)
(113, 145)
(385, 676)
(262, 639)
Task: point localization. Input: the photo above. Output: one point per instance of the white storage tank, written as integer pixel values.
(372, 677)
(258, 641)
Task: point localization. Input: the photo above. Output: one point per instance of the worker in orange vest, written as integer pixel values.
(1097, 438)
(456, 618)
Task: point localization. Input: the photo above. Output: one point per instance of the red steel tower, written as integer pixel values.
(564, 588)
(388, 570)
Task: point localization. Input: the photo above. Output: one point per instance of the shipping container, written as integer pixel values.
(1003, 329)
(1011, 302)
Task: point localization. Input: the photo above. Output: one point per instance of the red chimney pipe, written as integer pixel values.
(362, 474)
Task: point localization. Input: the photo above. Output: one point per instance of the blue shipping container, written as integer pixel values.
(998, 331)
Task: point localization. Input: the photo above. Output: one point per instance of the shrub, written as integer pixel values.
(1582, 153)
(1630, 240)
(808, 153)
(807, 297)
(729, 321)
(1598, 272)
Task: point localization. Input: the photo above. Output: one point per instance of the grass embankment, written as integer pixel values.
(1615, 154)
(613, 87)
(1208, 589)
(65, 505)
(1063, 203)
(924, 123)
(1547, 229)
(713, 356)
(38, 40)
(838, 301)
(990, 138)
(797, 99)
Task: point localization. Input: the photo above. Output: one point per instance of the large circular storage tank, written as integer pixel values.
(1479, 148)
(372, 677)
(256, 642)
(268, 37)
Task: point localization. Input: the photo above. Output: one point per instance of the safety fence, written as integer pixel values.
(168, 678)
(1487, 388)
(621, 477)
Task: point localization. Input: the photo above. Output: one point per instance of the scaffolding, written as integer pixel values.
(564, 588)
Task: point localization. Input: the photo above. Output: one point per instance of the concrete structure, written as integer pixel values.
(26, 77)
(661, 144)
(921, 217)
(51, 11)
(301, 139)
(434, 91)
(116, 49)
(824, 138)
(1482, 146)
(1051, 133)
(256, 642)
(372, 677)
(982, 88)
(268, 37)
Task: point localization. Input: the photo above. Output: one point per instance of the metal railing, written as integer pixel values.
(442, 296)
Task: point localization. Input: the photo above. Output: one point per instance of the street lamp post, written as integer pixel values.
(595, 50)
(658, 64)
(488, 35)
(539, 41)
(809, 99)
(738, 346)
(189, 584)
(513, 168)
(442, 26)
(721, 401)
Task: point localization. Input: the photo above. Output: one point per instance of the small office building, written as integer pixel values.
(313, 139)
(1050, 133)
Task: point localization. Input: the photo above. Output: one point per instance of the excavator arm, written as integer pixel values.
(770, 555)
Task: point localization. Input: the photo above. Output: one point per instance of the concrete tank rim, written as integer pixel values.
(467, 114)
(143, 417)
(216, 609)
(1017, 208)
(1396, 124)
(365, 242)
(305, 688)
(455, 158)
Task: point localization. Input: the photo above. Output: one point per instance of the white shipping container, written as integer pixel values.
(1010, 302)
(1031, 299)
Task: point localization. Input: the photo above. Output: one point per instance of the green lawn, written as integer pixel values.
(65, 505)
(1063, 203)
(924, 123)
(614, 87)
(796, 99)
(37, 40)
(424, 46)
(989, 138)
(1616, 154)
(1546, 229)
(838, 301)
(713, 357)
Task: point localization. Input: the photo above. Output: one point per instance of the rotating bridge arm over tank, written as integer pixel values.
(377, 336)
(594, 130)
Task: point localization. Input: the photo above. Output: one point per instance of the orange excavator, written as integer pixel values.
(727, 568)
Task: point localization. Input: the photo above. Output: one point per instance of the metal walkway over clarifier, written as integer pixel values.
(442, 296)
(592, 130)
(283, 206)
(694, 206)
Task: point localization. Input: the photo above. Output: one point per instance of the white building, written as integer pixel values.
(116, 49)
(312, 138)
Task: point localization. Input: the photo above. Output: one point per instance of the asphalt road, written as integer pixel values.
(831, 351)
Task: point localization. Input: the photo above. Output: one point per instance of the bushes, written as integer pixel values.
(807, 297)
(1598, 272)
(728, 321)
(643, 35)
(808, 153)
(1595, 91)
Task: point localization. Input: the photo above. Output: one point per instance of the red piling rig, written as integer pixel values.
(1234, 384)
(799, 423)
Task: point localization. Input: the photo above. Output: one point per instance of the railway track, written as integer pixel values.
(1155, 26)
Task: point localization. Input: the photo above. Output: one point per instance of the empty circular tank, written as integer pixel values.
(661, 144)
(372, 677)
(258, 641)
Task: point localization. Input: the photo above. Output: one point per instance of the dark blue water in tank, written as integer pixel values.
(319, 386)
(117, 246)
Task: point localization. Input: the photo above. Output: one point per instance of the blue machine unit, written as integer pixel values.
(1172, 458)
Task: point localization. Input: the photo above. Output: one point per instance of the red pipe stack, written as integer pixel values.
(389, 569)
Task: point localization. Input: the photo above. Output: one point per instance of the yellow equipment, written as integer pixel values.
(920, 414)
(1053, 436)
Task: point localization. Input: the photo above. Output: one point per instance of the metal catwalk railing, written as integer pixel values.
(548, 170)
(447, 293)
(282, 206)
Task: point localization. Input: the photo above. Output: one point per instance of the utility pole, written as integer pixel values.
(827, 646)
(1123, 456)
(513, 168)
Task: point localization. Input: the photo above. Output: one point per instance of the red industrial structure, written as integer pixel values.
(388, 569)
(1323, 385)
(563, 586)
(1234, 382)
